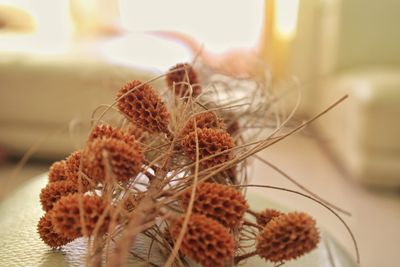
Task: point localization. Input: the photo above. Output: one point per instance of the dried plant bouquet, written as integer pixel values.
(172, 167)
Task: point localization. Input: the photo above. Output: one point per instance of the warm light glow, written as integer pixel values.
(286, 12)
(53, 27)
(219, 25)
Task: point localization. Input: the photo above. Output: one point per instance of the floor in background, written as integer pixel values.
(375, 216)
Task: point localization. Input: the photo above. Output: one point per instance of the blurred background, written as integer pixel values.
(60, 59)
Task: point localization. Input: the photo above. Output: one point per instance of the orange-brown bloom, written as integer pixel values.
(265, 216)
(287, 237)
(219, 202)
(205, 241)
(124, 159)
(131, 201)
(137, 132)
(181, 78)
(74, 171)
(65, 216)
(211, 142)
(203, 120)
(143, 107)
(47, 233)
(54, 191)
(233, 127)
(57, 171)
(105, 130)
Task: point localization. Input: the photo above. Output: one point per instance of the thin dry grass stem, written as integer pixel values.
(318, 202)
(94, 258)
(93, 120)
(145, 261)
(178, 241)
(130, 91)
(252, 224)
(240, 258)
(142, 218)
(167, 172)
(124, 244)
(30, 152)
(263, 144)
(99, 241)
(284, 174)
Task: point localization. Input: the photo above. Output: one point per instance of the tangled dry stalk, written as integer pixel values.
(173, 169)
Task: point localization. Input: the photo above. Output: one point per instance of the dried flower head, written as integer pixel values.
(287, 237)
(211, 142)
(233, 127)
(181, 78)
(124, 159)
(54, 191)
(205, 241)
(265, 216)
(137, 132)
(105, 130)
(219, 202)
(203, 120)
(65, 215)
(143, 107)
(57, 171)
(74, 170)
(131, 201)
(47, 233)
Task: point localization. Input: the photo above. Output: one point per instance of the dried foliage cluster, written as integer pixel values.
(173, 169)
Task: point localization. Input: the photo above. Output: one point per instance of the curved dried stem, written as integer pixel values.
(318, 202)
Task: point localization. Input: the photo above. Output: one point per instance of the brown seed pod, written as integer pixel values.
(131, 201)
(211, 141)
(54, 191)
(233, 127)
(73, 170)
(137, 132)
(105, 130)
(47, 233)
(57, 171)
(219, 202)
(143, 107)
(181, 78)
(287, 237)
(65, 215)
(125, 159)
(265, 216)
(205, 241)
(203, 120)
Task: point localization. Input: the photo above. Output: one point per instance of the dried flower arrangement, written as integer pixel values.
(174, 169)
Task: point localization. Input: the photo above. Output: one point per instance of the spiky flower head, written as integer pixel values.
(287, 237)
(48, 235)
(108, 131)
(206, 241)
(265, 216)
(181, 79)
(203, 120)
(57, 171)
(66, 219)
(213, 145)
(143, 107)
(219, 202)
(137, 132)
(124, 159)
(75, 168)
(54, 191)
